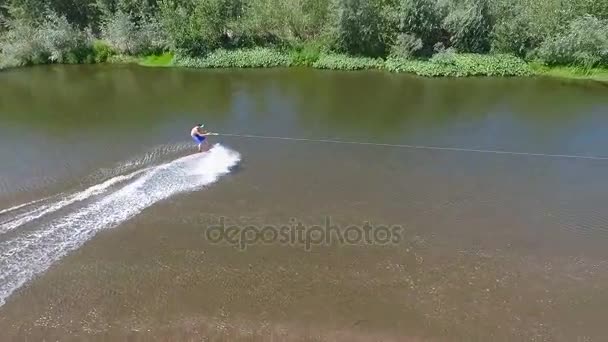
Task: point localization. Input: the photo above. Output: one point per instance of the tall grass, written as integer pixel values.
(162, 60)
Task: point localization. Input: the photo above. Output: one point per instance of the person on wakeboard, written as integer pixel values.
(199, 134)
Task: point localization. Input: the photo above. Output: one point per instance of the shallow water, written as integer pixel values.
(104, 210)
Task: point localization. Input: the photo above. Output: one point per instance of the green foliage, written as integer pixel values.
(584, 44)
(129, 34)
(462, 65)
(194, 27)
(102, 51)
(555, 32)
(360, 27)
(246, 58)
(600, 74)
(513, 34)
(306, 54)
(121, 33)
(273, 21)
(406, 46)
(162, 60)
(61, 40)
(20, 44)
(51, 40)
(421, 19)
(445, 57)
(122, 59)
(469, 24)
(345, 62)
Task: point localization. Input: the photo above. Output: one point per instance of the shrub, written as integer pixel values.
(585, 44)
(20, 44)
(360, 27)
(102, 51)
(164, 59)
(62, 42)
(193, 28)
(246, 58)
(444, 57)
(469, 24)
(277, 21)
(123, 59)
(52, 40)
(305, 55)
(344, 62)
(122, 34)
(406, 46)
(513, 34)
(462, 65)
(175, 21)
(421, 19)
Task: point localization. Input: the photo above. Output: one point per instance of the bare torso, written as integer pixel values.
(196, 131)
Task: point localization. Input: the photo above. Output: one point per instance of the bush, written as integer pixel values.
(246, 58)
(53, 40)
(444, 57)
(421, 19)
(63, 42)
(406, 46)
(20, 44)
(283, 21)
(584, 44)
(192, 28)
(305, 55)
(122, 34)
(462, 65)
(344, 62)
(123, 59)
(514, 35)
(162, 60)
(102, 51)
(361, 27)
(469, 24)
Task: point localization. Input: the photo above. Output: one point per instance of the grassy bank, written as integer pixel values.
(162, 60)
(596, 74)
(244, 58)
(443, 64)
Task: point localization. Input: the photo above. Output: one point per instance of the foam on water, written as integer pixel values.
(25, 256)
(23, 205)
(43, 210)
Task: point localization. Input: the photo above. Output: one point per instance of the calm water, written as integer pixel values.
(105, 208)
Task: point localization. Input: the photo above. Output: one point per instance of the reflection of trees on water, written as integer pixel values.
(384, 105)
(295, 101)
(108, 96)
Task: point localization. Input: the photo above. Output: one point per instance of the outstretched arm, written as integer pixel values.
(207, 133)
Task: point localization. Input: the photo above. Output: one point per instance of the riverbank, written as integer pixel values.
(443, 64)
(446, 64)
(569, 72)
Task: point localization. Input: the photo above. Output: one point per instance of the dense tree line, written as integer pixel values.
(553, 31)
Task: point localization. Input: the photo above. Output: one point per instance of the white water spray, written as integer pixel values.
(25, 256)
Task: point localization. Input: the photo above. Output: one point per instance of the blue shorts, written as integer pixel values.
(198, 139)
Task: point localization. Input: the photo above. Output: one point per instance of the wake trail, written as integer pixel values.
(39, 212)
(24, 257)
(17, 207)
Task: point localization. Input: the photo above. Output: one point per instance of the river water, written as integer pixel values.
(495, 190)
